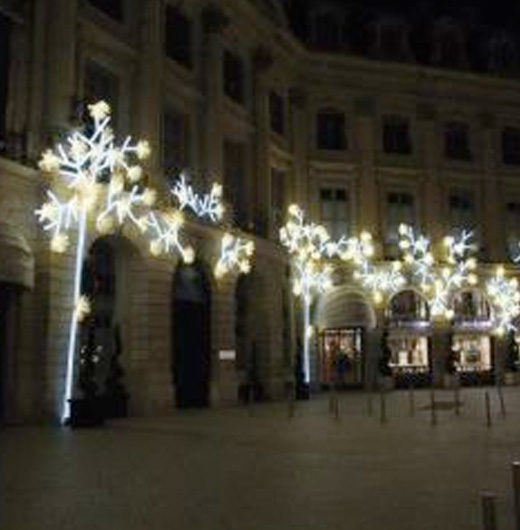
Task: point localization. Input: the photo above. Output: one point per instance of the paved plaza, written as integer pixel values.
(255, 468)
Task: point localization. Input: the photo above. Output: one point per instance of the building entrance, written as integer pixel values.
(191, 337)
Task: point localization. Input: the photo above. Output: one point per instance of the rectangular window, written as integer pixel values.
(400, 209)
(177, 36)
(463, 214)
(276, 112)
(175, 142)
(330, 130)
(5, 27)
(335, 211)
(112, 8)
(456, 141)
(233, 77)
(234, 180)
(101, 84)
(278, 179)
(396, 135)
(513, 229)
(511, 146)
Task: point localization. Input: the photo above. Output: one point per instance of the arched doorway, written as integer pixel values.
(191, 336)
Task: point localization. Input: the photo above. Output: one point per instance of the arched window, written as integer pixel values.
(408, 307)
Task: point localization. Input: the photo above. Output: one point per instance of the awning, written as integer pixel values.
(16, 258)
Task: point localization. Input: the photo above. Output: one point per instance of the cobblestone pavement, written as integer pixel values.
(256, 469)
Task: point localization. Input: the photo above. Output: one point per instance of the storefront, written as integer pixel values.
(341, 359)
(408, 326)
(472, 344)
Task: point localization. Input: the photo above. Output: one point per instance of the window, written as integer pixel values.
(177, 36)
(234, 179)
(400, 209)
(112, 8)
(233, 77)
(278, 178)
(4, 76)
(330, 132)
(513, 229)
(101, 84)
(511, 146)
(335, 214)
(175, 142)
(456, 141)
(463, 215)
(396, 135)
(276, 112)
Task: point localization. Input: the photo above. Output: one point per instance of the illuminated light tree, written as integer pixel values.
(310, 245)
(96, 184)
(505, 297)
(235, 253)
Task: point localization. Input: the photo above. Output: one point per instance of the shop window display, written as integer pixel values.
(341, 357)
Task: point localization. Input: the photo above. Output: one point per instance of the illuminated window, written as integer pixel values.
(456, 141)
(400, 209)
(276, 112)
(330, 133)
(233, 77)
(5, 27)
(335, 211)
(175, 142)
(112, 8)
(511, 146)
(177, 36)
(396, 135)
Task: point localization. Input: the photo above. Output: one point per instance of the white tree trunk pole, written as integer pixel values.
(306, 323)
(73, 332)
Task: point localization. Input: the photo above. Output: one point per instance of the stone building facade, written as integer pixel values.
(362, 139)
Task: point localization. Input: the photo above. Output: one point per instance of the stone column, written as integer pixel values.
(441, 349)
(262, 61)
(299, 189)
(60, 65)
(493, 233)
(213, 23)
(373, 350)
(151, 69)
(368, 211)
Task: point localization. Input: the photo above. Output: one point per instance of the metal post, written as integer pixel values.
(515, 469)
(306, 323)
(433, 417)
(488, 409)
(489, 515)
(457, 399)
(412, 400)
(336, 407)
(501, 400)
(369, 403)
(382, 399)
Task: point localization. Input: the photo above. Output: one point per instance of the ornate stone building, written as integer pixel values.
(365, 124)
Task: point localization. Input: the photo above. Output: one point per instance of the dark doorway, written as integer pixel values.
(191, 336)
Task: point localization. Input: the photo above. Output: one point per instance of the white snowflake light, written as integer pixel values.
(235, 253)
(208, 205)
(505, 297)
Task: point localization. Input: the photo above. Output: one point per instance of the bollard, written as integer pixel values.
(457, 399)
(331, 399)
(336, 408)
(290, 404)
(382, 400)
(488, 408)
(433, 417)
(369, 403)
(515, 469)
(489, 515)
(411, 400)
(501, 400)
